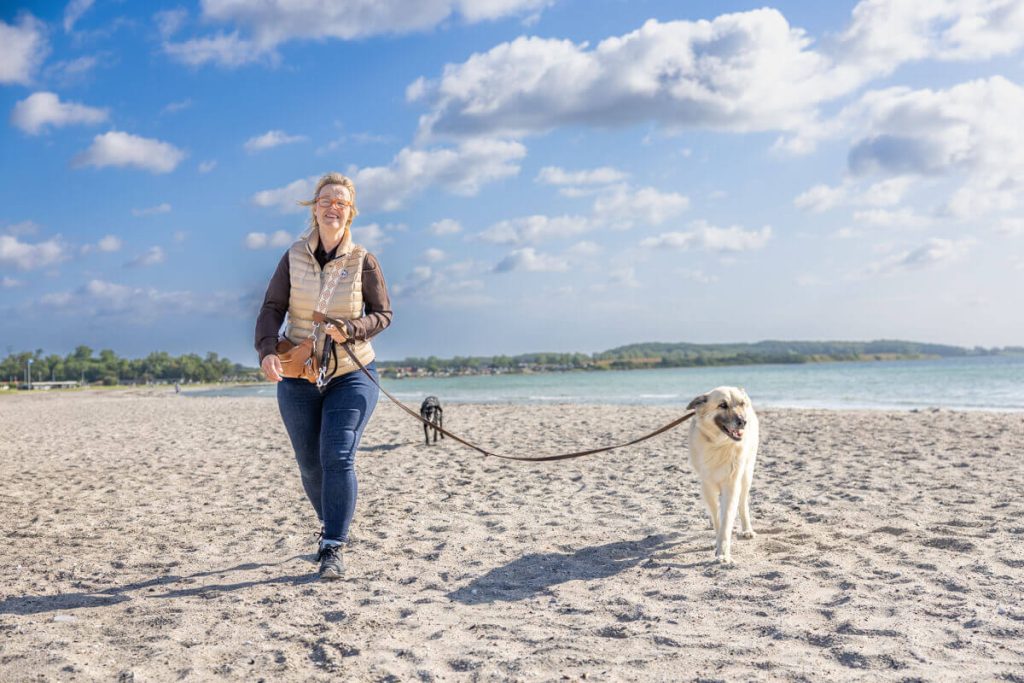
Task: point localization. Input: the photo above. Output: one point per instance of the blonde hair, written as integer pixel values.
(332, 178)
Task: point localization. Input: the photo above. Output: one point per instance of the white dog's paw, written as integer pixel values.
(746, 535)
(723, 559)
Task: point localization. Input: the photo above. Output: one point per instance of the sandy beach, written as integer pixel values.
(150, 536)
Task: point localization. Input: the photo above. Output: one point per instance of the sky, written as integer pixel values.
(533, 175)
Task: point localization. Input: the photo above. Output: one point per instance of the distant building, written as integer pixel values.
(46, 386)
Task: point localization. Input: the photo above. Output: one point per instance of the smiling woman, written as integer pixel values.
(324, 401)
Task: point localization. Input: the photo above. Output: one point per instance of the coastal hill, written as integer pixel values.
(683, 354)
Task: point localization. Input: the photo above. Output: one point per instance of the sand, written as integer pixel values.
(150, 536)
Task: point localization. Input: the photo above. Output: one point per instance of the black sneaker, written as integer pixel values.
(331, 564)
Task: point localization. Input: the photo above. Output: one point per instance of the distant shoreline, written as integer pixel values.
(161, 368)
(401, 370)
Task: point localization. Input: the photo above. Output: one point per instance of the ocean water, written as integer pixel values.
(977, 383)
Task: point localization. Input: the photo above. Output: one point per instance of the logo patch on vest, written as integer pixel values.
(343, 274)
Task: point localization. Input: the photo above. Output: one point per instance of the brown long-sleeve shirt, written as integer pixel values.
(376, 303)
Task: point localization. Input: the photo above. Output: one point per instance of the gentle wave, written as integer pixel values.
(977, 383)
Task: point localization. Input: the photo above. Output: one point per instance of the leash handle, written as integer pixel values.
(544, 458)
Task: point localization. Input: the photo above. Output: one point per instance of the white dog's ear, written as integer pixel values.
(699, 401)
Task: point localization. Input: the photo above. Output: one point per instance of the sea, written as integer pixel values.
(972, 383)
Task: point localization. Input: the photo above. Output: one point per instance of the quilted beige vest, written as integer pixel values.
(346, 304)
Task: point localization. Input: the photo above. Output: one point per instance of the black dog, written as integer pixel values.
(430, 410)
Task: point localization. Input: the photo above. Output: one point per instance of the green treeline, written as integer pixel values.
(107, 368)
(471, 364)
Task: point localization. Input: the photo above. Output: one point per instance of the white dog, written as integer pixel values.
(723, 449)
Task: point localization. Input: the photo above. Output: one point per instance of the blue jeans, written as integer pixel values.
(325, 428)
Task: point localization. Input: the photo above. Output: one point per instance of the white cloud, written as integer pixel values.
(101, 298)
(821, 198)
(445, 226)
(175, 107)
(617, 279)
(371, 236)
(884, 218)
(151, 257)
(537, 228)
(619, 207)
(968, 131)
(153, 210)
(43, 109)
(887, 192)
(624, 277)
(847, 234)
(286, 199)
(461, 170)
(223, 49)
(272, 138)
(26, 256)
(1010, 226)
(705, 236)
(529, 259)
(261, 240)
(885, 33)
(169, 22)
(22, 228)
(276, 21)
(603, 175)
(584, 248)
(623, 207)
(417, 280)
(74, 11)
(9, 282)
(70, 71)
(448, 286)
(433, 255)
(207, 166)
(123, 149)
(261, 27)
(935, 252)
(23, 47)
(884, 193)
(696, 275)
(743, 72)
(109, 243)
(56, 300)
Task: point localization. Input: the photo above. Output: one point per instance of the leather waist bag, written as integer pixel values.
(298, 360)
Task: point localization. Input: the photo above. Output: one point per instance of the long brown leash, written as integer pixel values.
(543, 458)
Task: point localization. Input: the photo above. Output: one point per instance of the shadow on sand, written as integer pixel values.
(39, 604)
(382, 447)
(536, 573)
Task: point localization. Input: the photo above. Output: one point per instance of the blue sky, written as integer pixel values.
(558, 175)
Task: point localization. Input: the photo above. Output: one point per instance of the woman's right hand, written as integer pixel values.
(271, 367)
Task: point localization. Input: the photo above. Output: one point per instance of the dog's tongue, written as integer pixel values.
(738, 433)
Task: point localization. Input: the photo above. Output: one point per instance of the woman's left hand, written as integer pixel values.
(336, 333)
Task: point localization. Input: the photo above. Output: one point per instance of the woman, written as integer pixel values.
(326, 421)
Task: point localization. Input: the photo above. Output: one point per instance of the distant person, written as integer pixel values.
(326, 422)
